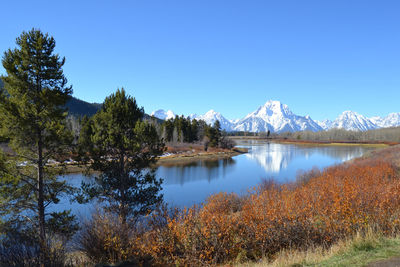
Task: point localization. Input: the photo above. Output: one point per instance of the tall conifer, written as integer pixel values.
(33, 120)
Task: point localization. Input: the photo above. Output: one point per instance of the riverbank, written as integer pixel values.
(178, 156)
(369, 249)
(193, 155)
(315, 142)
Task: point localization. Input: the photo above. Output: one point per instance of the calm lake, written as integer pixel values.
(191, 183)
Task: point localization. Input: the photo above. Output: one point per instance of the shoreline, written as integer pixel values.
(174, 159)
(337, 143)
(315, 142)
(185, 158)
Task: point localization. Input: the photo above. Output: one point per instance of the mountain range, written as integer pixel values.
(277, 117)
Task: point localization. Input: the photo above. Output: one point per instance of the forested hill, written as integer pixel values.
(77, 107)
(80, 108)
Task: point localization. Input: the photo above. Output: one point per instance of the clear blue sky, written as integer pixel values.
(318, 57)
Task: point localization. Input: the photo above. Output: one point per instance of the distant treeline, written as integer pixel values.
(381, 135)
(376, 135)
(173, 131)
(181, 129)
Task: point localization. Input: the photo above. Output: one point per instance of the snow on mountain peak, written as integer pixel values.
(193, 116)
(276, 117)
(350, 120)
(325, 124)
(212, 112)
(163, 115)
(211, 116)
(391, 120)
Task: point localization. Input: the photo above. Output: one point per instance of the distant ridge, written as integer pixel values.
(273, 116)
(277, 117)
(80, 108)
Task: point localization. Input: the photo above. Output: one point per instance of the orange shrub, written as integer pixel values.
(321, 208)
(342, 200)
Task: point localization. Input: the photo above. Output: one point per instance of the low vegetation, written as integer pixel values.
(322, 209)
(359, 250)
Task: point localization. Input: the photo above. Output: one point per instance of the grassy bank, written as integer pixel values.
(360, 250)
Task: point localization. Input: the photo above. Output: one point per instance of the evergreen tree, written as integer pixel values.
(33, 119)
(168, 127)
(194, 130)
(214, 134)
(218, 132)
(122, 148)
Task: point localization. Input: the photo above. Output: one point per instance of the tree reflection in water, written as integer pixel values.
(182, 173)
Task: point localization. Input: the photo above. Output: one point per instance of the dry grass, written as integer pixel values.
(359, 250)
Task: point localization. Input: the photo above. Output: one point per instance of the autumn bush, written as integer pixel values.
(103, 238)
(320, 208)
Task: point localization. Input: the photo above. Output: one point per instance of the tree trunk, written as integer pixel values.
(42, 233)
(123, 186)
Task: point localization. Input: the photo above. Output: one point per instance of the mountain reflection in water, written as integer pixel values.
(185, 184)
(274, 157)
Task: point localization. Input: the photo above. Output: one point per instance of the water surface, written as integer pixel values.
(191, 183)
(185, 184)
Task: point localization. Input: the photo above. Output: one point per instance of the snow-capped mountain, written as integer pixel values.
(163, 115)
(352, 121)
(325, 124)
(212, 116)
(276, 117)
(391, 120)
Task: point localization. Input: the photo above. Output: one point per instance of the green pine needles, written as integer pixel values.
(116, 142)
(122, 148)
(32, 116)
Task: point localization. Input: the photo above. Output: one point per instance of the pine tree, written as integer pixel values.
(214, 134)
(122, 148)
(33, 119)
(218, 132)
